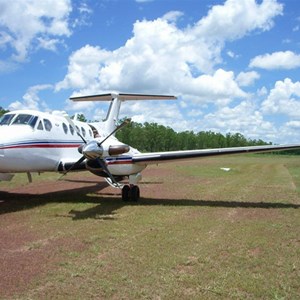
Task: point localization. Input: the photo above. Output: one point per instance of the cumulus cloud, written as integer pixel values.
(283, 99)
(31, 99)
(245, 117)
(247, 78)
(161, 57)
(235, 19)
(26, 24)
(276, 60)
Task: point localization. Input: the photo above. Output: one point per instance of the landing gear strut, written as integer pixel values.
(130, 193)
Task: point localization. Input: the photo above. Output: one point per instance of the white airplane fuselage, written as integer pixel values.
(33, 141)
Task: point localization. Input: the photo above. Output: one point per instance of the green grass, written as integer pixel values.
(197, 233)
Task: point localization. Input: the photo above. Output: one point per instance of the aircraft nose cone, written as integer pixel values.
(92, 150)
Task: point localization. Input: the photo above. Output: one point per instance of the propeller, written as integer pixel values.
(95, 151)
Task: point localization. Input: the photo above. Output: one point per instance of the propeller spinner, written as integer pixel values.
(96, 151)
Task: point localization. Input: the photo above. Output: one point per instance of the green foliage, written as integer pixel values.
(151, 137)
(3, 111)
(80, 117)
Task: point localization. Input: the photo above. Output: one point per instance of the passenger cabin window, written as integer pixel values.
(65, 128)
(83, 131)
(6, 119)
(47, 124)
(71, 129)
(90, 132)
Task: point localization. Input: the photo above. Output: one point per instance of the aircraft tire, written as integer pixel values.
(126, 193)
(135, 193)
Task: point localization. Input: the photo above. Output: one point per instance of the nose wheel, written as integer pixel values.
(130, 193)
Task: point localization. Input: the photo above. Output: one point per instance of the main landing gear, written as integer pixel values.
(130, 193)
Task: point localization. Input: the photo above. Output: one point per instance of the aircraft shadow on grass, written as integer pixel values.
(107, 204)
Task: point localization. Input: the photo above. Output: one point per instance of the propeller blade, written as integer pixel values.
(104, 168)
(126, 121)
(77, 163)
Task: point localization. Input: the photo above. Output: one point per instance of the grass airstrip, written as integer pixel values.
(218, 228)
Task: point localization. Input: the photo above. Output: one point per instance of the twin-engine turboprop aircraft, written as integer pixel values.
(33, 141)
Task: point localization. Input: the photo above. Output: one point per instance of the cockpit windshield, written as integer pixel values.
(20, 119)
(6, 119)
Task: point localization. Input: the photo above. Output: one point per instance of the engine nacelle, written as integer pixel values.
(118, 149)
(93, 150)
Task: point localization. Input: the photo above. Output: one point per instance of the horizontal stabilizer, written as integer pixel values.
(122, 97)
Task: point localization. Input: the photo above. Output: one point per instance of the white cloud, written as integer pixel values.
(283, 99)
(289, 133)
(262, 91)
(276, 60)
(164, 58)
(161, 57)
(7, 66)
(244, 118)
(237, 18)
(167, 114)
(84, 67)
(293, 124)
(25, 23)
(85, 12)
(31, 99)
(247, 78)
(231, 54)
(172, 16)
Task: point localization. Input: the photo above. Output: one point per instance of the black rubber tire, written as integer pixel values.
(135, 193)
(126, 193)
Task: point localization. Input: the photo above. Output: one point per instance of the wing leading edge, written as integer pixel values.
(160, 157)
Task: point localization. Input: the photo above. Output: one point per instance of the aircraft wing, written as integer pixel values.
(160, 157)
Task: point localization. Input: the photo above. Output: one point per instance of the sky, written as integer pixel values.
(234, 65)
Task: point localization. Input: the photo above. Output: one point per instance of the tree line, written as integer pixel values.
(152, 137)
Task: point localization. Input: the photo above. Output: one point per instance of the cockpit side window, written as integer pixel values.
(33, 121)
(6, 119)
(47, 124)
(40, 126)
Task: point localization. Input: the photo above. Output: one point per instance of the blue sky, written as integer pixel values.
(234, 64)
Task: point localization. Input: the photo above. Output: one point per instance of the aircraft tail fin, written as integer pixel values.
(116, 99)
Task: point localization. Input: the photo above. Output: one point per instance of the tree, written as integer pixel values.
(3, 111)
(80, 117)
(152, 137)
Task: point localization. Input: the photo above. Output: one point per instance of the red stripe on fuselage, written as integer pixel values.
(120, 162)
(41, 146)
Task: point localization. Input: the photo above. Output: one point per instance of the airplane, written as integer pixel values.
(34, 141)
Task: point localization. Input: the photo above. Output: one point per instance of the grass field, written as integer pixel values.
(198, 232)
